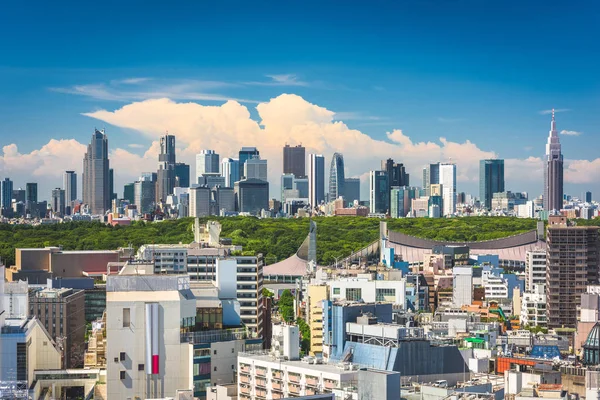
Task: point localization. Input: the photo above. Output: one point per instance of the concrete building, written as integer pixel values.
(533, 307)
(379, 192)
(337, 177)
(369, 291)
(145, 319)
(200, 201)
(62, 312)
(316, 179)
(211, 180)
(447, 178)
(491, 180)
(251, 195)
(70, 188)
(207, 162)
(294, 160)
(462, 286)
(572, 263)
(166, 168)
(314, 304)
(535, 269)
(95, 178)
(255, 168)
(230, 169)
(166, 258)
(553, 171)
(144, 195)
(245, 154)
(58, 201)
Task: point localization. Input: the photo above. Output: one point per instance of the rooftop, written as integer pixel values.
(330, 368)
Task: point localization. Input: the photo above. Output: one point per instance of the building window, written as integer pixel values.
(232, 351)
(336, 290)
(215, 352)
(122, 356)
(122, 375)
(387, 294)
(126, 317)
(353, 294)
(215, 369)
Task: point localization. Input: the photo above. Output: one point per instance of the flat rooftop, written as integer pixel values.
(325, 367)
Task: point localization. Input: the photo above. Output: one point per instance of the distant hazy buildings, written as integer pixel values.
(70, 188)
(129, 193)
(316, 179)
(182, 175)
(255, 168)
(294, 160)
(145, 193)
(491, 180)
(245, 154)
(379, 192)
(95, 178)
(431, 176)
(6, 187)
(207, 162)
(58, 201)
(336, 177)
(553, 171)
(166, 168)
(588, 197)
(251, 195)
(448, 182)
(230, 169)
(352, 189)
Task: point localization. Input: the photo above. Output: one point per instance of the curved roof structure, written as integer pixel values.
(591, 347)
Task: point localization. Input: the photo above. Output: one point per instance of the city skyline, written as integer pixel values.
(474, 105)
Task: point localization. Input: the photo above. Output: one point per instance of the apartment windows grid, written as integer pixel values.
(353, 294)
(385, 294)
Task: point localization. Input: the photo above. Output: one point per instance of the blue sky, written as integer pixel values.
(463, 70)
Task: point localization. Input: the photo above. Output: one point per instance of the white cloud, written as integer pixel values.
(556, 110)
(570, 133)
(135, 146)
(280, 80)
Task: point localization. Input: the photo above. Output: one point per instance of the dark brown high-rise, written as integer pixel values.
(572, 263)
(294, 160)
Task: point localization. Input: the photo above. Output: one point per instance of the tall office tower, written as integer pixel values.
(182, 175)
(207, 162)
(398, 201)
(287, 183)
(251, 195)
(200, 201)
(588, 197)
(316, 179)
(244, 155)
(111, 184)
(431, 176)
(129, 193)
(301, 185)
(6, 195)
(70, 188)
(31, 192)
(379, 192)
(352, 189)
(553, 171)
(294, 160)
(255, 168)
(336, 177)
(19, 195)
(95, 178)
(491, 180)
(144, 195)
(58, 201)
(230, 169)
(397, 175)
(572, 263)
(447, 178)
(166, 168)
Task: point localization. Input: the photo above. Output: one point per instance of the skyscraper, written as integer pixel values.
(491, 180)
(230, 169)
(129, 192)
(431, 176)
(31, 192)
(244, 155)
(58, 201)
(588, 197)
(6, 195)
(397, 175)
(287, 183)
(553, 171)
(336, 177)
(95, 179)
(316, 179)
(207, 162)
(352, 189)
(182, 175)
(166, 168)
(294, 160)
(379, 192)
(111, 183)
(447, 178)
(70, 188)
(255, 168)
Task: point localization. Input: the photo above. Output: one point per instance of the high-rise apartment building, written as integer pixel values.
(379, 190)
(447, 178)
(182, 175)
(316, 179)
(245, 154)
(255, 168)
(230, 169)
(431, 176)
(553, 171)
(95, 178)
(62, 312)
(58, 201)
(535, 269)
(207, 162)
(294, 160)
(572, 263)
(491, 180)
(6, 187)
(166, 168)
(70, 188)
(336, 177)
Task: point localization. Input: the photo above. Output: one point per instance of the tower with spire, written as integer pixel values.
(553, 171)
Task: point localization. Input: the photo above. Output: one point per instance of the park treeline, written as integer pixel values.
(276, 239)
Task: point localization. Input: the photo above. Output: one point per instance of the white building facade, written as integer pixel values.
(462, 286)
(535, 269)
(370, 291)
(448, 182)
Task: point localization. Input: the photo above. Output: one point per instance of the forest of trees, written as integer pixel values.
(276, 239)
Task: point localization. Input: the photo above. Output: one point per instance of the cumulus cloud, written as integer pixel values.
(570, 133)
(287, 118)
